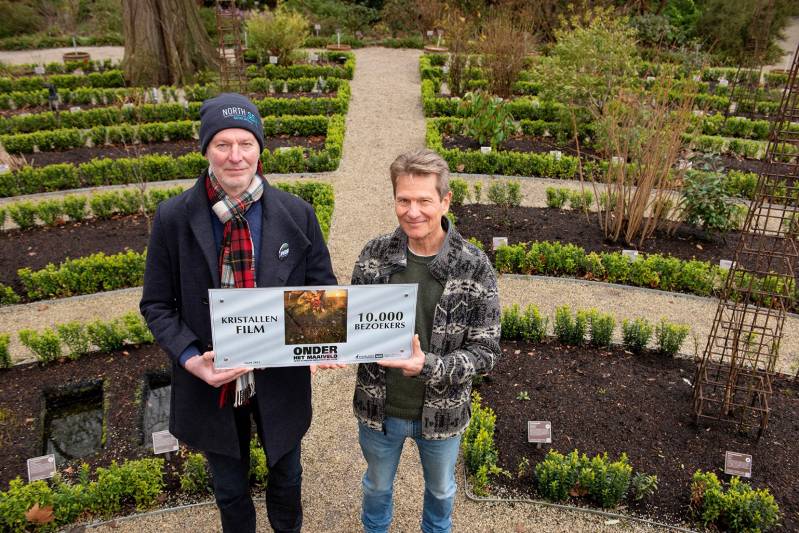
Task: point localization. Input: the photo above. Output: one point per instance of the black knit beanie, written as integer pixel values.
(229, 110)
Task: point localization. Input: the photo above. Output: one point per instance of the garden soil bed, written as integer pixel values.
(174, 148)
(22, 405)
(612, 401)
(36, 247)
(525, 224)
(529, 144)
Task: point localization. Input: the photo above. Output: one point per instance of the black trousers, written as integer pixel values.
(232, 487)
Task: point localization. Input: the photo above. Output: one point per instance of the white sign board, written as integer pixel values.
(738, 464)
(496, 242)
(164, 442)
(485, 149)
(299, 326)
(632, 255)
(539, 431)
(41, 467)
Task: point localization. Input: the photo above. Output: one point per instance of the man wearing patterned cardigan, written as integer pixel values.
(425, 397)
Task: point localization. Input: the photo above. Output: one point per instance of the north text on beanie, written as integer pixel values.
(229, 110)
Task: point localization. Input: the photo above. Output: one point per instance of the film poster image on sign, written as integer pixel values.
(315, 316)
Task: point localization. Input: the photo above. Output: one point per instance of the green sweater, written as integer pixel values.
(404, 396)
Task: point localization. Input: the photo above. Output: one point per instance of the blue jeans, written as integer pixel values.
(382, 452)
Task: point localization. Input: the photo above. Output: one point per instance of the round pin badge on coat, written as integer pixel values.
(284, 251)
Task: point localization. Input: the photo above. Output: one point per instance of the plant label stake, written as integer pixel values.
(496, 242)
(556, 154)
(273, 60)
(164, 442)
(738, 464)
(430, 34)
(632, 255)
(313, 58)
(38, 69)
(42, 467)
(539, 432)
(726, 264)
(723, 82)
(316, 28)
(485, 149)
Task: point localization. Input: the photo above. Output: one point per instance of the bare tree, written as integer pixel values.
(165, 42)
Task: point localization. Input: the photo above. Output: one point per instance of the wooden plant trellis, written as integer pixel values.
(733, 378)
(232, 76)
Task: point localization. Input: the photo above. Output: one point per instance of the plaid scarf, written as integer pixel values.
(236, 263)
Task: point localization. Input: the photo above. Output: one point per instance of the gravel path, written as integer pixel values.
(385, 118)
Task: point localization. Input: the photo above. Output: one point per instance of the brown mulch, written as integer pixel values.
(36, 247)
(524, 224)
(615, 402)
(173, 148)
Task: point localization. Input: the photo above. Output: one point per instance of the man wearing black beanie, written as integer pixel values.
(233, 230)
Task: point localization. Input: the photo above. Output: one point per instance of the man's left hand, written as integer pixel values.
(412, 366)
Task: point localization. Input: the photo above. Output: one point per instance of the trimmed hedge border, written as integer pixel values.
(165, 112)
(497, 162)
(109, 78)
(654, 271)
(100, 272)
(153, 168)
(280, 72)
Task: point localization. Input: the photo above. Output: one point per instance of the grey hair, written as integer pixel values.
(419, 163)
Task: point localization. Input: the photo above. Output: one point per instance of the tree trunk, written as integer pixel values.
(165, 42)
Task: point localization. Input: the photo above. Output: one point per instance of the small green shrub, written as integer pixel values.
(636, 334)
(557, 474)
(136, 330)
(103, 204)
(643, 485)
(476, 242)
(107, 336)
(75, 207)
(606, 482)
(740, 508)
(488, 118)
(511, 324)
(8, 296)
(477, 188)
(75, 337)
(50, 211)
(505, 193)
(581, 200)
(570, 329)
(479, 450)
(600, 328)
(5, 355)
(23, 214)
(460, 191)
(277, 33)
(46, 346)
(259, 469)
(669, 337)
(556, 197)
(705, 201)
(533, 325)
(195, 479)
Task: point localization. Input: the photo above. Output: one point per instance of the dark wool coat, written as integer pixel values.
(182, 264)
(465, 336)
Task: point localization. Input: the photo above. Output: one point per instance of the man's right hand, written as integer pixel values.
(202, 367)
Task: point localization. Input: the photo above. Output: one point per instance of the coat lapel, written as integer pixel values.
(200, 222)
(283, 243)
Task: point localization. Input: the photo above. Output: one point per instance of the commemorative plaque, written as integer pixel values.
(299, 326)
(738, 464)
(41, 467)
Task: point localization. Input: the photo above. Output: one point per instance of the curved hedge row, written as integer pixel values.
(652, 270)
(109, 78)
(147, 113)
(100, 272)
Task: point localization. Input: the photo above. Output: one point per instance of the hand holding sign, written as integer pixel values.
(412, 366)
(202, 367)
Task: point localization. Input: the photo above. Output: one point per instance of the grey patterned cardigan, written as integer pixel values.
(464, 340)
